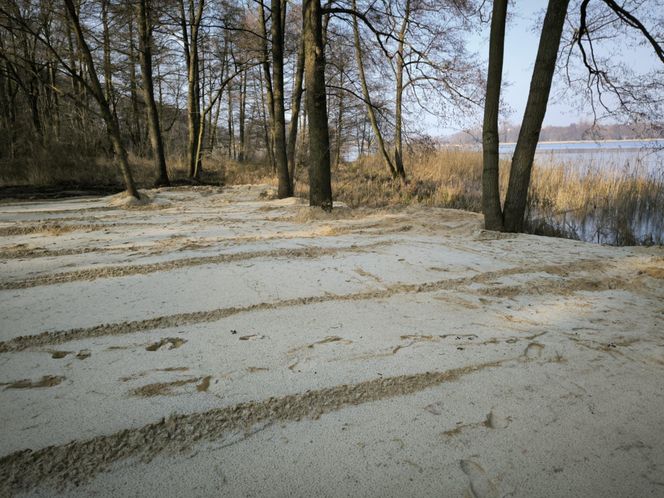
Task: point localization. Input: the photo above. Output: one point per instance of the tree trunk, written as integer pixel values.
(367, 98)
(145, 41)
(398, 119)
(320, 184)
(295, 111)
(493, 216)
(135, 116)
(242, 117)
(231, 129)
(190, 41)
(267, 81)
(540, 87)
(108, 72)
(285, 188)
(111, 122)
(340, 117)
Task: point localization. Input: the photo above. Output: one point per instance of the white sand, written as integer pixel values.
(510, 365)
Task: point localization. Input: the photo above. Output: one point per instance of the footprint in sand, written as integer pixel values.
(495, 420)
(166, 343)
(533, 351)
(480, 484)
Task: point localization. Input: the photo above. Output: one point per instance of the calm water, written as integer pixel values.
(644, 218)
(645, 155)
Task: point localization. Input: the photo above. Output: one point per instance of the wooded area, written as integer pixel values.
(299, 87)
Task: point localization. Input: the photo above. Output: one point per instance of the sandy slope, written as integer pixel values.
(221, 343)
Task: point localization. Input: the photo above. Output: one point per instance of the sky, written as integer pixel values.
(521, 41)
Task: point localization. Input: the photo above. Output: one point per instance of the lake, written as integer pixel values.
(645, 156)
(626, 209)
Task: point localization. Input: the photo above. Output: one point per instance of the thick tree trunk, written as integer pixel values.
(320, 184)
(540, 87)
(493, 216)
(154, 129)
(285, 187)
(110, 120)
(367, 98)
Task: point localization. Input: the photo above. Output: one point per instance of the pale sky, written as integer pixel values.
(521, 41)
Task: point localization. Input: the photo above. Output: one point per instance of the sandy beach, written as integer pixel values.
(219, 342)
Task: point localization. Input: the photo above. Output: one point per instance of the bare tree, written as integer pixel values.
(95, 88)
(320, 185)
(145, 28)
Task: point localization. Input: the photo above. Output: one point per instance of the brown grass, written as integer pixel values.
(63, 166)
(606, 203)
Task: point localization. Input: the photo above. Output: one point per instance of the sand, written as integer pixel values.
(216, 342)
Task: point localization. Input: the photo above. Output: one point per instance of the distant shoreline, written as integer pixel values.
(562, 142)
(610, 140)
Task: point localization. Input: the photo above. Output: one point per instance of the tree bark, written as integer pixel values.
(398, 118)
(242, 117)
(320, 184)
(540, 87)
(285, 187)
(108, 72)
(135, 106)
(231, 128)
(154, 129)
(493, 215)
(340, 118)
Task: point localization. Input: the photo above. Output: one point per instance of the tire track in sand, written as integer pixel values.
(558, 286)
(127, 270)
(78, 461)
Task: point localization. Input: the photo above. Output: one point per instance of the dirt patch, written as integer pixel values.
(57, 355)
(204, 385)
(83, 355)
(45, 381)
(78, 461)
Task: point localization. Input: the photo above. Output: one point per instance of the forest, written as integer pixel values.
(175, 91)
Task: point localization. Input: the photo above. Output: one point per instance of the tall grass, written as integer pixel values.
(606, 202)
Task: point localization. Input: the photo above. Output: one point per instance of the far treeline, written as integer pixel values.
(302, 83)
(582, 131)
